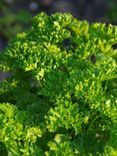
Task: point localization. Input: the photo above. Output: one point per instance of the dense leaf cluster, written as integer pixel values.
(61, 97)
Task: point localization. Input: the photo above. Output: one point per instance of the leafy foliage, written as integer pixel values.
(62, 91)
(15, 131)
